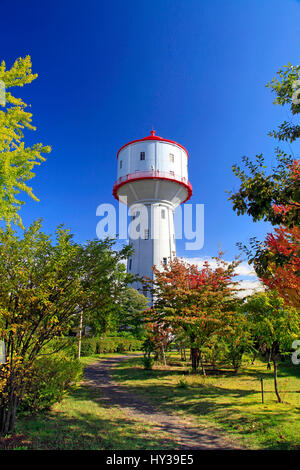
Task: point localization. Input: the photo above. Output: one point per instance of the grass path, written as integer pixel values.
(184, 431)
(228, 402)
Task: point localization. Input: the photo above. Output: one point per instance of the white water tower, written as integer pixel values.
(153, 172)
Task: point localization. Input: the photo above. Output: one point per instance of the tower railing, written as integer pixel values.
(169, 175)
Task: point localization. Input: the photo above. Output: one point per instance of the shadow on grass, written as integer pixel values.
(225, 406)
(90, 423)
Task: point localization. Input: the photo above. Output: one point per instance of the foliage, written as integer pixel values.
(97, 345)
(182, 383)
(159, 337)
(276, 326)
(50, 379)
(109, 344)
(130, 316)
(274, 196)
(43, 287)
(283, 270)
(260, 192)
(148, 362)
(16, 160)
(104, 281)
(198, 302)
(238, 341)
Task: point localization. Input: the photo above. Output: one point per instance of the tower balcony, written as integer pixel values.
(168, 177)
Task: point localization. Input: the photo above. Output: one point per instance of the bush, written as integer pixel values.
(112, 344)
(51, 378)
(88, 346)
(148, 362)
(91, 346)
(66, 345)
(182, 383)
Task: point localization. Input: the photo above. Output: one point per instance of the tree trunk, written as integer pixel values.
(163, 355)
(202, 365)
(80, 335)
(195, 358)
(275, 381)
(269, 360)
(8, 417)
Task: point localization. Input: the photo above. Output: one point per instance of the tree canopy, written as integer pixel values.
(43, 288)
(198, 301)
(16, 159)
(273, 195)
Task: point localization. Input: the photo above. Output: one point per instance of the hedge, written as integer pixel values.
(94, 345)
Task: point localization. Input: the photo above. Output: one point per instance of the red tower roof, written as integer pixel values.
(153, 137)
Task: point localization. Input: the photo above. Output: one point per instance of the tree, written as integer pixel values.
(283, 271)
(197, 301)
(238, 339)
(274, 196)
(132, 311)
(273, 324)
(43, 287)
(260, 192)
(16, 160)
(104, 281)
(159, 337)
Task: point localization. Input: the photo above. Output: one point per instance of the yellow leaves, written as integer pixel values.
(16, 161)
(19, 74)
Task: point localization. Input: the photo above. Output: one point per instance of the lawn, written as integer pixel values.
(224, 400)
(83, 420)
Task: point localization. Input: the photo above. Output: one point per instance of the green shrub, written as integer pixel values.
(66, 345)
(148, 362)
(112, 344)
(91, 346)
(50, 379)
(88, 346)
(182, 383)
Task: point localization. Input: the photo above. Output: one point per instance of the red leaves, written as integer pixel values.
(285, 277)
(197, 300)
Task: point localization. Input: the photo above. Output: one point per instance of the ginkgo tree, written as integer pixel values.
(17, 160)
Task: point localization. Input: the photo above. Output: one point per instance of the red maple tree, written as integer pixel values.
(283, 272)
(193, 300)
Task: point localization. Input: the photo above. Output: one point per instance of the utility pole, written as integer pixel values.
(2, 353)
(80, 334)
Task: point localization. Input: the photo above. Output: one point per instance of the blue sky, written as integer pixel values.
(196, 70)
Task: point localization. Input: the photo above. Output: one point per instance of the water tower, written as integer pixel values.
(153, 172)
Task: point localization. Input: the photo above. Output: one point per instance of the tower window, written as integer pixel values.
(130, 264)
(142, 156)
(163, 214)
(146, 234)
(165, 260)
(171, 157)
(121, 163)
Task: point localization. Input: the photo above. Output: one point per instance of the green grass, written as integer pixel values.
(83, 420)
(231, 403)
(227, 401)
